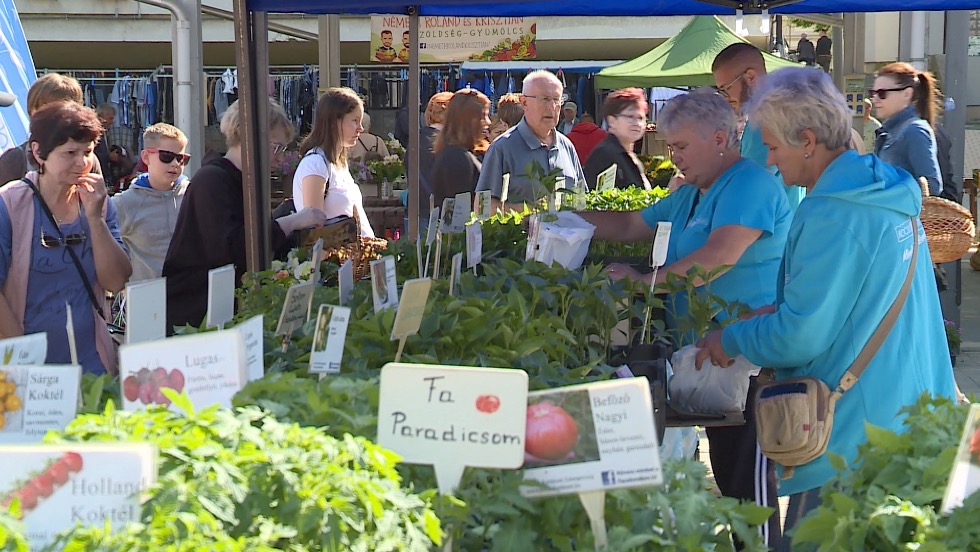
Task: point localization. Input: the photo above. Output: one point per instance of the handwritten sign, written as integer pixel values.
(474, 245)
(455, 273)
(328, 339)
(595, 436)
(453, 417)
(484, 205)
(24, 349)
(64, 484)
(146, 310)
(658, 257)
(345, 279)
(36, 399)
(296, 308)
(254, 341)
(415, 294)
(221, 296)
(384, 284)
(209, 367)
(607, 179)
(965, 477)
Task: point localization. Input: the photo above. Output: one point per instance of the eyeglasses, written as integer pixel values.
(169, 156)
(635, 119)
(723, 90)
(883, 92)
(278, 148)
(545, 99)
(51, 242)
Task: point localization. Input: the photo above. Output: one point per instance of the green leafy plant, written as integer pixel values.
(706, 312)
(12, 537)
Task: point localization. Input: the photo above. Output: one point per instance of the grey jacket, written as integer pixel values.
(147, 219)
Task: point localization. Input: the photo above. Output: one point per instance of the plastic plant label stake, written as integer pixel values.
(504, 189)
(448, 206)
(462, 208)
(964, 480)
(345, 281)
(70, 328)
(607, 179)
(221, 296)
(41, 398)
(328, 339)
(24, 349)
(411, 308)
(431, 234)
(484, 205)
(454, 273)
(533, 225)
(453, 417)
(436, 263)
(474, 245)
(146, 310)
(594, 503)
(254, 347)
(418, 259)
(296, 308)
(384, 284)
(316, 255)
(658, 257)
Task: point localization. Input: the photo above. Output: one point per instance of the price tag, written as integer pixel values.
(146, 310)
(453, 417)
(296, 308)
(462, 208)
(965, 477)
(484, 205)
(384, 284)
(454, 274)
(38, 398)
(328, 339)
(607, 179)
(221, 296)
(24, 349)
(658, 256)
(254, 342)
(411, 308)
(316, 255)
(504, 189)
(345, 279)
(474, 245)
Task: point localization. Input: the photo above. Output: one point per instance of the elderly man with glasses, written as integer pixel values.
(738, 70)
(534, 139)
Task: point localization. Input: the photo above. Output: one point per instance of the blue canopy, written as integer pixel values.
(17, 74)
(503, 8)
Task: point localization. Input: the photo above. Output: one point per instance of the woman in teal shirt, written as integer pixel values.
(731, 212)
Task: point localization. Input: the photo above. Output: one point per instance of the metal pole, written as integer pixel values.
(413, 125)
(328, 46)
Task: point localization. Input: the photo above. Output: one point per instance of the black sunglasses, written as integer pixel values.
(883, 92)
(51, 242)
(169, 156)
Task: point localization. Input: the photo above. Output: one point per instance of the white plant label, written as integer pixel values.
(146, 310)
(221, 296)
(345, 282)
(296, 308)
(328, 339)
(658, 257)
(37, 399)
(607, 179)
(474, 245)
(384, 284)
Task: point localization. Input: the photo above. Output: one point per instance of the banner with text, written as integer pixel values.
(443, 39)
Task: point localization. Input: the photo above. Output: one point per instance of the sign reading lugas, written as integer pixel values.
(444, 39)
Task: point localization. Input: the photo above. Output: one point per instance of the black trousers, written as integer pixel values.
(741, 471)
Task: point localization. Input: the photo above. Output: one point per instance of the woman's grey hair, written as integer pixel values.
(704, 110)
(792, 100)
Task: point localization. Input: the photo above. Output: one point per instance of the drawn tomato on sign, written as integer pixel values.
(488, 404)
(551, 431)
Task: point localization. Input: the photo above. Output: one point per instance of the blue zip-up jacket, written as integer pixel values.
(846, 257)
(752, 147)
(907, 141)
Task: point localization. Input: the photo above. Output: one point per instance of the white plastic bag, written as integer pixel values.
(711, 388)
(565, 241)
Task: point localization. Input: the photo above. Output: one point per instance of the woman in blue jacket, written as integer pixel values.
(905, 99)
(846, 258)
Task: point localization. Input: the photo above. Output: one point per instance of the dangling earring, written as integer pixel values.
(40, 169)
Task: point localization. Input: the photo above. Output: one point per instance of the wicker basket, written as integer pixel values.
(949, 226)
(361, 250)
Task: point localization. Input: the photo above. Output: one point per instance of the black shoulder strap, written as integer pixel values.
(74, 256)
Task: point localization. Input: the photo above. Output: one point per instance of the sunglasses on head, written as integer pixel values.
(883, 92)
(169, 156)
(51, 242)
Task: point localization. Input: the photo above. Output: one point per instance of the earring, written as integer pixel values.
(806, 156)
(40, 169)
(721, 154)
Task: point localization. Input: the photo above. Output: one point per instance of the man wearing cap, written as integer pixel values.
(534, 139)
(569, 119)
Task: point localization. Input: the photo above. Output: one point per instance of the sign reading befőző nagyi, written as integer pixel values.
(443, 39)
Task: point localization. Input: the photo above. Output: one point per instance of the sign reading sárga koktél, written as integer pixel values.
(62, 485)
(453, 417)
(36, 399)
(443, 39)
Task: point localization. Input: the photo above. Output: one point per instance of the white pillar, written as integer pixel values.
(917, 38)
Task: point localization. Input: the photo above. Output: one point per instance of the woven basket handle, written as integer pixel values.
(924, 184)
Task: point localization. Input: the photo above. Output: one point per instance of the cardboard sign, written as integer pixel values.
(24, 349)
(504, 189)
(316, 255)
(296, 308)
(384, 284)
(607, 179)
(209, 367)
(345, 278)
(484, 205)
(415, 294)
(454, 273)
(462, 208)
(328, 339)
(453, 417)
(474, 245)
(146, 310)
(37, 398)
(658, 257)
(221, 296)
(61, 485)
(254, 340)
(589, 437)
(965, 477)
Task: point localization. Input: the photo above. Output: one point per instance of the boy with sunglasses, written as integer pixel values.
(147, 210)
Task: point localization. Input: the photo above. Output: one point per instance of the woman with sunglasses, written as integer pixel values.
(323, 179)
(67, 248)
(456, 168)
(905, 99)
(210, 230)
(625, 111)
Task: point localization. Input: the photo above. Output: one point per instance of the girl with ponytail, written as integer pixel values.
(906, 101)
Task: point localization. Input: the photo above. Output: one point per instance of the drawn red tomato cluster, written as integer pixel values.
(41, 485)
(145, 386)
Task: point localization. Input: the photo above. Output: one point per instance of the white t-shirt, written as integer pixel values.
(343, 194)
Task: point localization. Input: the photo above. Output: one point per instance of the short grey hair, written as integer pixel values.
(703, 109)
(538, 76)
(792, 100)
